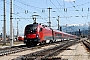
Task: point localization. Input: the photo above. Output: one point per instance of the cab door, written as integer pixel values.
(41, 34)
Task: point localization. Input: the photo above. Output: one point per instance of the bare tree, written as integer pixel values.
(89, 28)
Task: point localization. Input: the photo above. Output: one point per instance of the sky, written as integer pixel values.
(70, 12)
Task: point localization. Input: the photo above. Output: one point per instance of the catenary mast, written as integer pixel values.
(11, 29)
(4, 27)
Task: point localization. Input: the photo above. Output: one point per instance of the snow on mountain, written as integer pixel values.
(74, 27)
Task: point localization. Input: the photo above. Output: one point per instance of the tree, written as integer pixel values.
(89, 30)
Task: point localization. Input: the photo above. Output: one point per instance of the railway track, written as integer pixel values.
(47, 54)
(16, 49)
(11, 50)
(87, 44)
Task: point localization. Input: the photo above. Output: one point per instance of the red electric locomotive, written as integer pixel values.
(40, 34)
(36, 33)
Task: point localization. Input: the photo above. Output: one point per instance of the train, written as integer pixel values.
(21, 38)
(36, 33)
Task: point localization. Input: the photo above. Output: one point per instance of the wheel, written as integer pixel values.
(42, 43)
(28, 44)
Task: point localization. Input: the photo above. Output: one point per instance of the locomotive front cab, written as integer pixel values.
(31, 34)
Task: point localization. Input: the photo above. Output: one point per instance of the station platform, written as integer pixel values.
(76, 52)
(8, 45)
(1, 47)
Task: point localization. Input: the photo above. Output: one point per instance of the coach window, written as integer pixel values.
(41, 29)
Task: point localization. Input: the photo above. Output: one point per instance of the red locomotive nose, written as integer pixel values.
(31, 36)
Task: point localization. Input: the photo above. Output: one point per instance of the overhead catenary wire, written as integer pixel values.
(59, 10)
(25, 4)
(18, 7)
(83, 11)
(36, 8)
(52, 8)
(75, 6)
(7, 11)
(76, 9)
(80, 13)
(45, 8)
(40, 8)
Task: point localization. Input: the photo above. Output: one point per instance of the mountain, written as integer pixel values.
(74, 28)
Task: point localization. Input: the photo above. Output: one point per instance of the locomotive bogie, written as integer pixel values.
(30, 42)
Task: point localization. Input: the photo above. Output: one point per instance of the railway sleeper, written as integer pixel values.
(87, 45)
(51, 58)
(37, 56)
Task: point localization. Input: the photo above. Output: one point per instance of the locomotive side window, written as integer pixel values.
(58, 34)
(41, 29)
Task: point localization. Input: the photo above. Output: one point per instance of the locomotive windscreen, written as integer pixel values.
(31, 28)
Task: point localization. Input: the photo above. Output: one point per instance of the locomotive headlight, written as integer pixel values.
(37, 36)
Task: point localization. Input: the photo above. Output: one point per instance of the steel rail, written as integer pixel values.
(47, 53)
